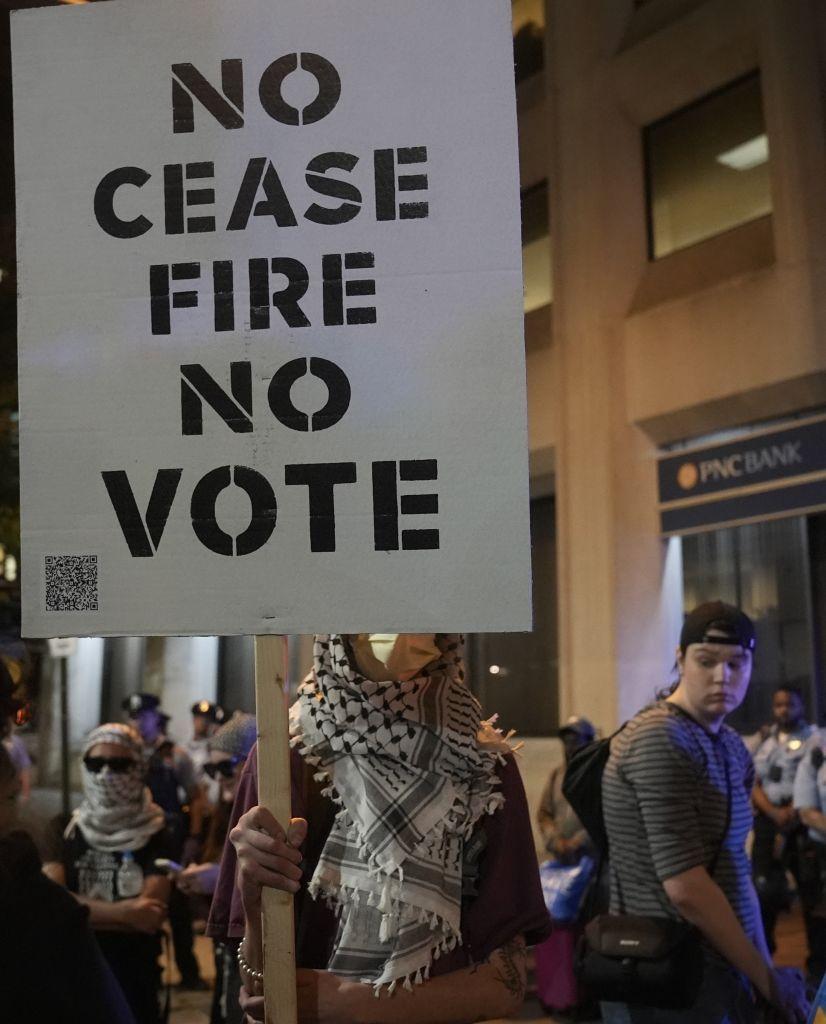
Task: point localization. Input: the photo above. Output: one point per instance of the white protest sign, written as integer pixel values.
(270, 335)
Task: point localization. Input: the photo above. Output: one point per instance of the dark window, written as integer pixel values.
(536, 247)
(529, 50)
(516, 674)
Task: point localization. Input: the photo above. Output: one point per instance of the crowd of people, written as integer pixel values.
(411, 856)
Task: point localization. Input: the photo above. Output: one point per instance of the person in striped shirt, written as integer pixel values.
(676, 796)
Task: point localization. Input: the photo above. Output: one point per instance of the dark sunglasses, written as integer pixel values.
(117, 764)
(225, 768)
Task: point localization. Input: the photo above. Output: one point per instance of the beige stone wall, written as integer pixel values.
(637, 353)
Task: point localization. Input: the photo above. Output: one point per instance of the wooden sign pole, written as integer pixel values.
(271, 661)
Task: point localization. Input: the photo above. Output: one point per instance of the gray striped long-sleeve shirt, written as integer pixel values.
(664, 797)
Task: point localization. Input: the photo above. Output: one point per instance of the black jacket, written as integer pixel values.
(50, 966)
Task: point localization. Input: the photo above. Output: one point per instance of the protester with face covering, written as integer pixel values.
(172, 780)
(106, 857)
(228, 750)
(420, 883)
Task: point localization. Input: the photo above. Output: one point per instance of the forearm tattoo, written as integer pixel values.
(510, 966)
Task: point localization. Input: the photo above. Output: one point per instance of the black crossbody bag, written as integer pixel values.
(647, 961)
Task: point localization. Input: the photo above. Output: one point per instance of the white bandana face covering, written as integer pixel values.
(403, 761)
(117, 813)
(110, 789)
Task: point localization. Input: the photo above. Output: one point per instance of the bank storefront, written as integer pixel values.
(749, 509)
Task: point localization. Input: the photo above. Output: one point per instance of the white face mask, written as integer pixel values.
(383, 657)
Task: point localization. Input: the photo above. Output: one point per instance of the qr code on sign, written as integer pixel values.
(71, 583)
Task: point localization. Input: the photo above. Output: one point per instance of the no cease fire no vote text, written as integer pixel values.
(260, 193)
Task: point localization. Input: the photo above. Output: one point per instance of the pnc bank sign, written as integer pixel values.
(762, 475)
(739, 464)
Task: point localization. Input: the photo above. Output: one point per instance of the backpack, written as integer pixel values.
(582, 788)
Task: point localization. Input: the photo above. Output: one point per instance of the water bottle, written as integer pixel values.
(130, 877)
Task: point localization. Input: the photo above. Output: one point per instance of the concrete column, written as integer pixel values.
(123, 665)
(619, 604)
(236, 681)
(190, 674)
(236, 675)
(85, 688)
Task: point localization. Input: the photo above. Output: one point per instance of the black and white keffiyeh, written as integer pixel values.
(117, 813)
(413, 769)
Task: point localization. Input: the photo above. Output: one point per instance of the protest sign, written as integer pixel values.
(270, 334)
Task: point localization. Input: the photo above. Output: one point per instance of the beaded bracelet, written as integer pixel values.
(245, 967)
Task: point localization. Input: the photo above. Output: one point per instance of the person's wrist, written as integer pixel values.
(127, 910)
(250, 897)
(359, 1004)
(765, 984)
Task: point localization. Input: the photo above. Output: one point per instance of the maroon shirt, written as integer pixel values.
(503, 897)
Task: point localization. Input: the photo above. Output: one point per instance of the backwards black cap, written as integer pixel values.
(716, 622)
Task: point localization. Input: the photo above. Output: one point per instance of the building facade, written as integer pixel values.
(681, 147)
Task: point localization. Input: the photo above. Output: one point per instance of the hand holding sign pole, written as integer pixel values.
(271, 660)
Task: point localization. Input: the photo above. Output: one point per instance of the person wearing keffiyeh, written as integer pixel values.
(107, 858)
(415, 781)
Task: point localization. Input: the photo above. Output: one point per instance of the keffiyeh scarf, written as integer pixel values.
(413, 769)
(117, 813)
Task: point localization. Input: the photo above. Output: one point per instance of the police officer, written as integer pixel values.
(171, 778)
(778, 835)
(207, 718)
(171, 774)
(810, 803)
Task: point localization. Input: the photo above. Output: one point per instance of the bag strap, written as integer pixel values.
(713, 865)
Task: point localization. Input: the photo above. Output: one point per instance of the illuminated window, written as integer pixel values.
(707, 168)
(536, 247)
